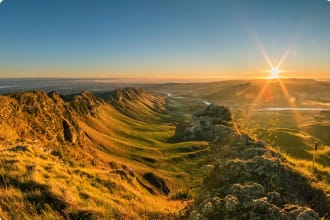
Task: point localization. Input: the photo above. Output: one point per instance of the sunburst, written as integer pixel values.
(274, 74)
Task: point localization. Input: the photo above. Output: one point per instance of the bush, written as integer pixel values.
(181, 194)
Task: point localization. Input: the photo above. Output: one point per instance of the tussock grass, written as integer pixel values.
(318, 174)
(100, 179)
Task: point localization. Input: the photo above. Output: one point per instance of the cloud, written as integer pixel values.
(1, 1)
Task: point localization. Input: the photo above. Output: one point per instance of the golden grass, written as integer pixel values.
(47, 180)
(80, 189)
(317, 173)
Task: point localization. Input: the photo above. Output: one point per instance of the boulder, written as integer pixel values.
(212, 124)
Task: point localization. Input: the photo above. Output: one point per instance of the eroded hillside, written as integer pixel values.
(87, 157)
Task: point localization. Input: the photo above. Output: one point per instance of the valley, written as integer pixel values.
(165, 110)
(291, 118)
(103, 161)
(134, 153)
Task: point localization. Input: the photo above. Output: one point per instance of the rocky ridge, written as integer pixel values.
(211, 124)
(248, 180)
(49, 117)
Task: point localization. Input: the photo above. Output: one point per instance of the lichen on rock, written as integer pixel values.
(249, 180)
(210, 124)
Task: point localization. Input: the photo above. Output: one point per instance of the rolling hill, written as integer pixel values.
(132, 154)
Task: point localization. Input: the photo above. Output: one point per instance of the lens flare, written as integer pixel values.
(274, 73)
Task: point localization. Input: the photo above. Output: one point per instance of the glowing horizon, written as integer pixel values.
(164, 40)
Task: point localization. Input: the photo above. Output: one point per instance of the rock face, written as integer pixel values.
(68, 132)
(86, 103)
(210, 124)
(47, 117)
(249, 181)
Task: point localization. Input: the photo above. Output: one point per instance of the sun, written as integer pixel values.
(274, 73)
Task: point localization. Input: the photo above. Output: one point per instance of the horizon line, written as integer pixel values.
(155, 79)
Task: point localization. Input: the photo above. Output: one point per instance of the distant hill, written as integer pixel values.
(290, 114)
(245, 92)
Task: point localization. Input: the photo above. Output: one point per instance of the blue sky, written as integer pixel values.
(163, 38)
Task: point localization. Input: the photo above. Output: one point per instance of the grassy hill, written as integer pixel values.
(85, 157)
(122, 155)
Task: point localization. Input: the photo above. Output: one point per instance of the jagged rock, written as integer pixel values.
(207, 169)
(86, 103)
(262, 209)
(56, 97)
(275, 198)
(231, 203)
(194, 215)
(68, 132)
(207, 209)
(307, 214)
(30, 115)
(210, 124)
(220, 114)
(249, 180)
(247, 192)
(300, 213)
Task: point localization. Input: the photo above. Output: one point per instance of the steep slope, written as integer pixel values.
(134, 102)
(19, 112)
(246, 180)
(83, 157)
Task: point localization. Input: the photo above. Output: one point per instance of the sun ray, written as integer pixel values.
(283, 58)
(265, 55)
(288, 97)
(275, 74)
(257, 99)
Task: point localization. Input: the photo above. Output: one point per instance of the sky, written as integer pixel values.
(157, 39)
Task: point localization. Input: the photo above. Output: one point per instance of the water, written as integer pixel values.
(63, 86)
(171, 95)
(291, 109)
